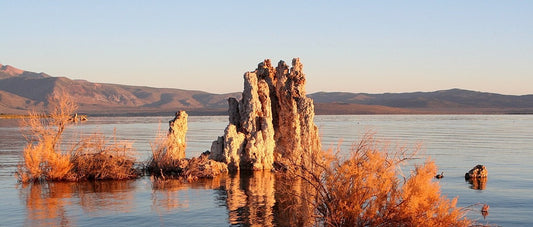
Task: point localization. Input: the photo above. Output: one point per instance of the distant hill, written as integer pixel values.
(445, 101)
(21, 91)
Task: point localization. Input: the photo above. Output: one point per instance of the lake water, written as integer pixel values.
(503, 143)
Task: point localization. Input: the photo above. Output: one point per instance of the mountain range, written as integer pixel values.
(21, 91)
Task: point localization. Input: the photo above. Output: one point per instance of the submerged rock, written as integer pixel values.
(273, 122)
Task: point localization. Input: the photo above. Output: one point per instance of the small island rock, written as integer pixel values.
(478, 171)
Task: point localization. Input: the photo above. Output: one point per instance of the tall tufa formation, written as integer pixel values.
(273, 122)
(297, 139)
(176, 136)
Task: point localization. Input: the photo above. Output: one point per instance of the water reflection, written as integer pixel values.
(250, 198)
(49, 203)
(263, 198)
(46, 203)
(292, 202)
(104, 196)
(478, 183)
(259, 198)
(165, 194)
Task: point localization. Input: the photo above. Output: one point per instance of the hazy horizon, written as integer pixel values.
(359, 47)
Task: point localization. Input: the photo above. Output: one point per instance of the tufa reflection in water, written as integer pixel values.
(249, 197)
(477, 183)
(166, 192)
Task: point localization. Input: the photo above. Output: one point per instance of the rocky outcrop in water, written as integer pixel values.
(477, 177)
(297, 139)
(272, 123)
(478, 171)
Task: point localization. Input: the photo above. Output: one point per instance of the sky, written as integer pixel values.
(348, 46)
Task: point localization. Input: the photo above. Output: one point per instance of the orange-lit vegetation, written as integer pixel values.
(368, 189)
(162, 162)
(94, 158)
(91, 158)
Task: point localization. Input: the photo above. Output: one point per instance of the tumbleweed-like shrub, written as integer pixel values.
(369, 189)
(92, 158)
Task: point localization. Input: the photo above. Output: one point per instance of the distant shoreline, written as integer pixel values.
(23, 116)
(14, 116)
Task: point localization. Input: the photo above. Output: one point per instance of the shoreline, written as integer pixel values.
(24, 116)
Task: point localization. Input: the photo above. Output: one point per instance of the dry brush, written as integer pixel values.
(91, 158)
(368, 189)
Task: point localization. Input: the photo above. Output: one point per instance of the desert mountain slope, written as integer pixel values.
(21, 91)
(18, 87)
(444, 101)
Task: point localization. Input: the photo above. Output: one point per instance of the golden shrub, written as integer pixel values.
(162, 162)
(367, 189)
(91, 158)
(95, 158)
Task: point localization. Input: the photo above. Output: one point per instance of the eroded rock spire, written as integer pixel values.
(273, 122)
(176, 135)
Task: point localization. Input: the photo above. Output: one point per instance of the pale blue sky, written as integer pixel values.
(353, 46)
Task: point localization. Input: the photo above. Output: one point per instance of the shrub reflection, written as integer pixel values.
(47, 203)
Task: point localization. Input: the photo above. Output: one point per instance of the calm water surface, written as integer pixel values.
(503, 143)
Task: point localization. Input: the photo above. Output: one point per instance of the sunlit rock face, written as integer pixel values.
(296, 133)
(176, 135)
(271, 123)
(477, 177)
(479, 171)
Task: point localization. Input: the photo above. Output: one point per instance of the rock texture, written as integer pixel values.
(273, 122)
(297, 138)
(478, 171)
(477, 177)
(202, 167)
(176, 136)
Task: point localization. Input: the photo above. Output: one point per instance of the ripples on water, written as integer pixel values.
(503, 143)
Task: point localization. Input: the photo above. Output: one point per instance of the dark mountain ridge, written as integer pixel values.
(21, 91)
